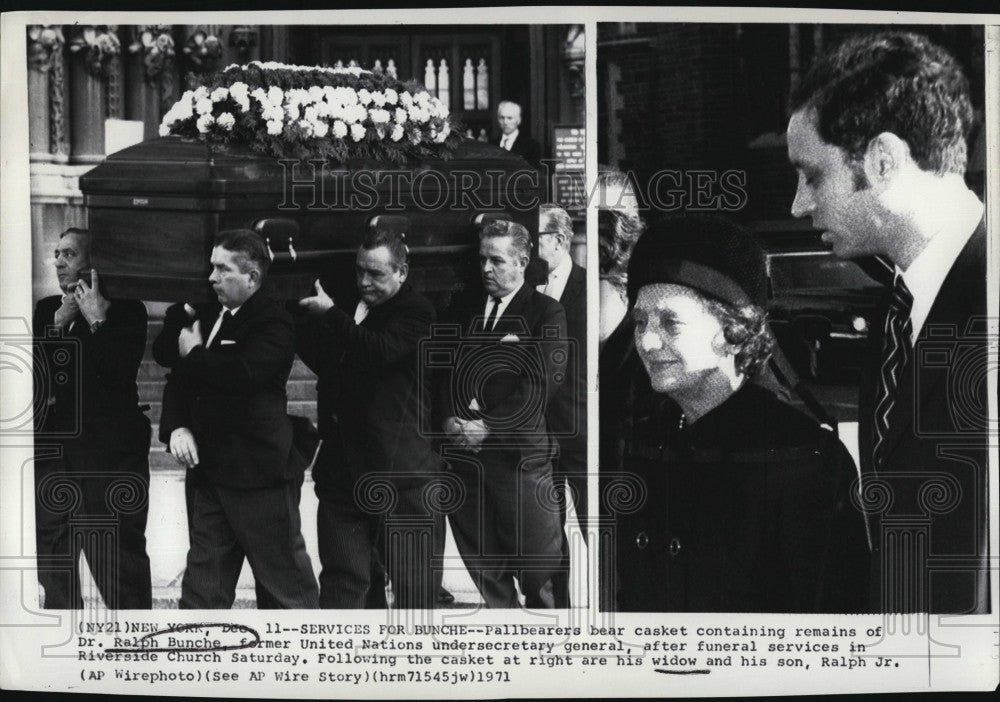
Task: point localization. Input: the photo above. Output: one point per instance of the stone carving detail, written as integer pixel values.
(99, 44)
(203, 51)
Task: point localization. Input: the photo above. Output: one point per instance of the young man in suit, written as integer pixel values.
(878, 137)
(567, 413)
(509, 363)
(371, 401)
(224, 418)
(100, 435)
(511, 138)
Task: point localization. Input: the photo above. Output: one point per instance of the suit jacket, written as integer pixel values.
(372, 393)
(936, 448)
(524, 372)
(525, 147)
(96, 406)
(567, 413)
(232, 395)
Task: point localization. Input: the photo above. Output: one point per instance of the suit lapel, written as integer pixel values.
(949, 305)
(574, 286)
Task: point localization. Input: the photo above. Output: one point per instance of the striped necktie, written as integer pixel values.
(896, 352)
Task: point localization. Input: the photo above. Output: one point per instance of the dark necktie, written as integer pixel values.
(226, 317)
(492, 318)
(896, 351)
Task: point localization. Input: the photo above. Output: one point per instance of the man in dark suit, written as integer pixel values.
(371, 401)
(92, 440)
(509, 363)
(567, 413)
(224, 418)
(877, 134)
(511, 137)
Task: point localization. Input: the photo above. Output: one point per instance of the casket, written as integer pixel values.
(154, 210)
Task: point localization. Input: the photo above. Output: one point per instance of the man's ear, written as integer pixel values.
(254, 276)
(885, 157)
(404, 270)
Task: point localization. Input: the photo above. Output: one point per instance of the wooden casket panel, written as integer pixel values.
(155, 208)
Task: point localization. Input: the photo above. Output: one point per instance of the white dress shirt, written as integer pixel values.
(504, 301)
(360, 312)
(218, 323)
(558, 279)
(926, 274)
(507, 141)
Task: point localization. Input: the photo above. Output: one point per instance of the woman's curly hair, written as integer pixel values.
(746, 328)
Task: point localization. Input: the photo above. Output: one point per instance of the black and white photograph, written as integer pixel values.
(793, 318)
(254, 240)
(499, 352)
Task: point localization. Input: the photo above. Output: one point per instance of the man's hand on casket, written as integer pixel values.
(93, 306)
(189, 338)
(318, 303)
(184, 447)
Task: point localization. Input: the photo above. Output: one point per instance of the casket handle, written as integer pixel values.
(278, 228)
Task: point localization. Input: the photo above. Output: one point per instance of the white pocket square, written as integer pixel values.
(226, 342)
(510, 337)
(474, 406)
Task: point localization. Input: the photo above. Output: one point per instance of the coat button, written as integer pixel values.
(642, 540)
(675, 546)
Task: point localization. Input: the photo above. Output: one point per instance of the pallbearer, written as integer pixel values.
(224, 419)
(372, 396)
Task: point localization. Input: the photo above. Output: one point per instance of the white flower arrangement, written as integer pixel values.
(306, 110)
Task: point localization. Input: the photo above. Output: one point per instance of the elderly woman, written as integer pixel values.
(745, 502)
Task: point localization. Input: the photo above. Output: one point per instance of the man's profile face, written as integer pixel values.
(502, 268)
(378, 277)
(232, 286)
(72, 255)
(509, 118)
(827, 190)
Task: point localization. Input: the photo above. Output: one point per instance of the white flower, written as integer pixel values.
(259, 95)
(274, 127)
(391, 96)
(316, 93)
(364, 97)
(423, 97)
(226, 121)
(418, 114)
(200, 93)
(379, 116)
(164, 130)
(339, 129)
(204, 122)
(219, 94)
(357, 132)
(203, 106)
(307, 127)
(320, 129)
(311, 113)
(244, 105)
(400, 115)
(405, 99)
(292, 110)
(239, 91)
(378, 98)
(276, 95)
(398, 132)
(355, 113)
(271, 112)
(443, 134)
